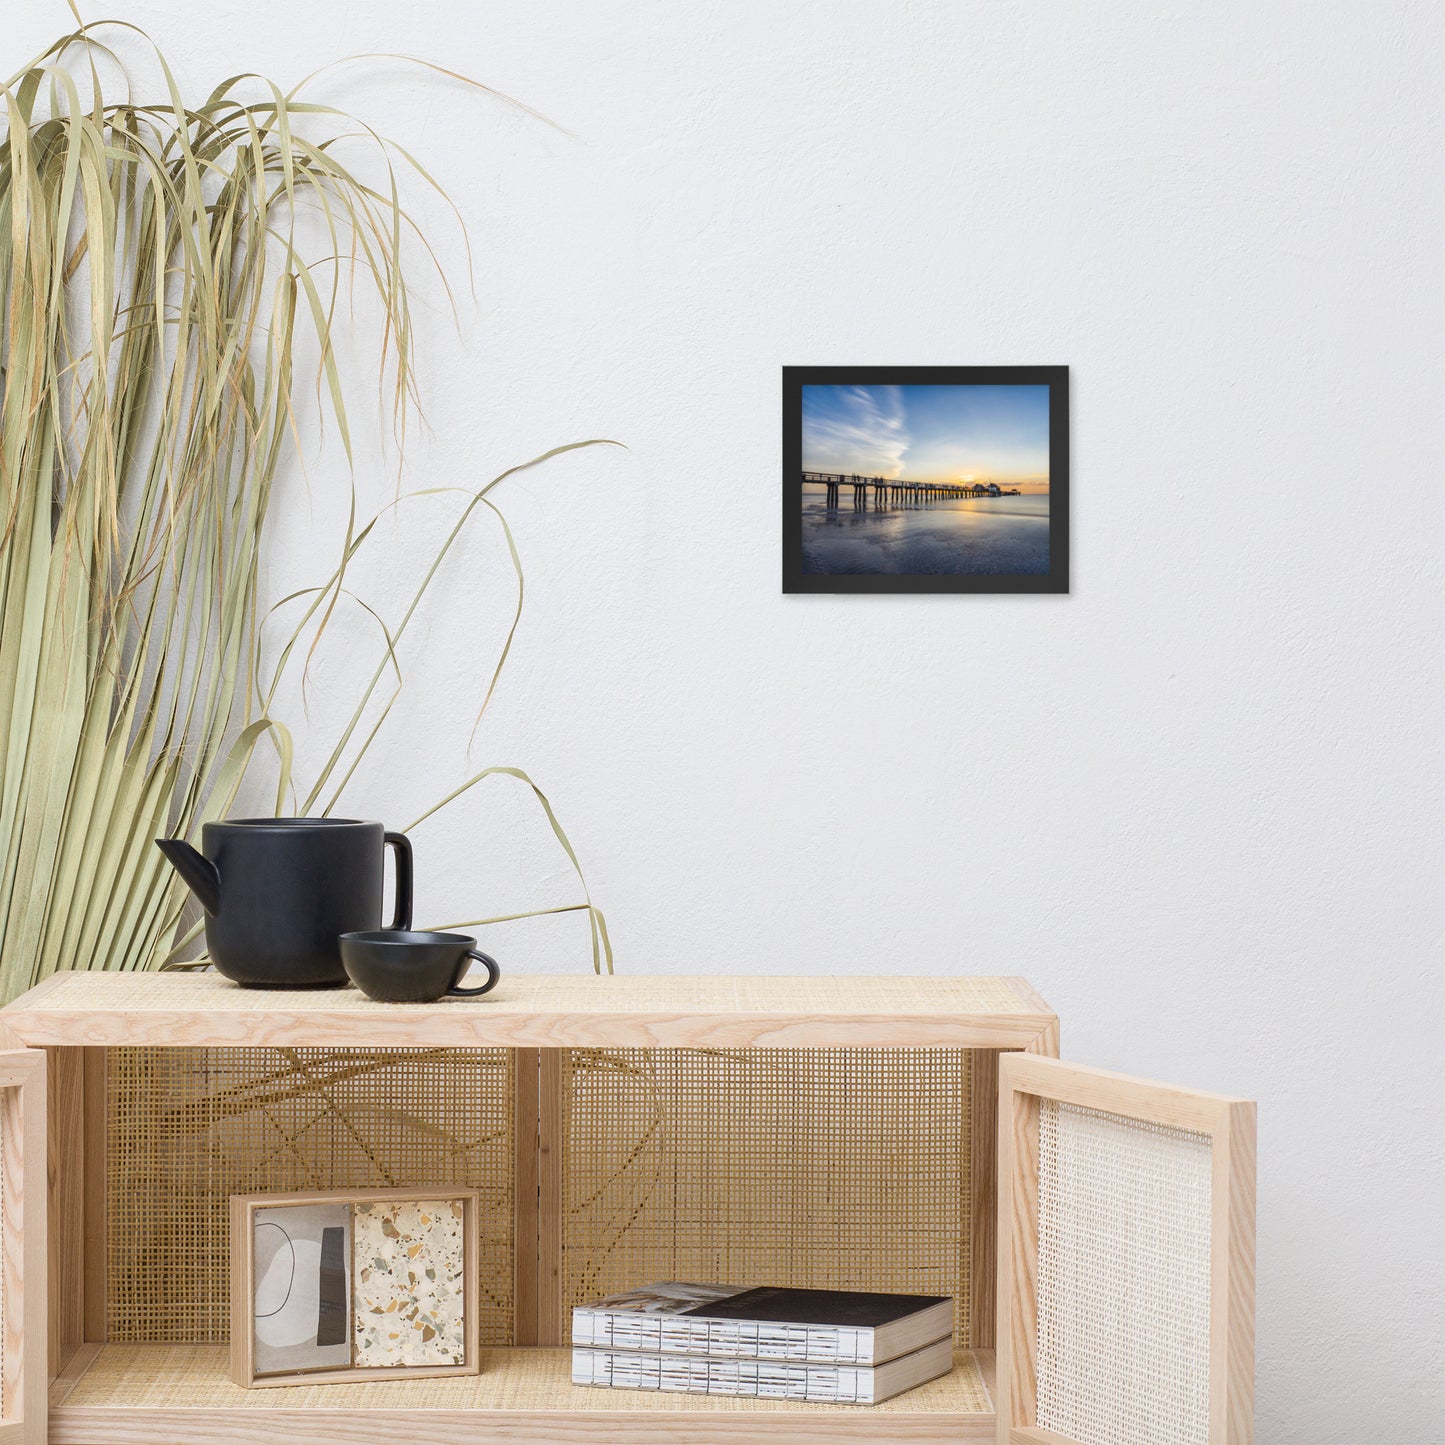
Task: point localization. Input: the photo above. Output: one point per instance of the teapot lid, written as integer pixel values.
(288, 823)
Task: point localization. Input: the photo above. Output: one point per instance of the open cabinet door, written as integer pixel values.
(1126, 1260)
(23, 1259)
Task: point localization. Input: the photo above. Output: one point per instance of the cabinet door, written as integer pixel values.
(1126, 1260)
(23, 1260)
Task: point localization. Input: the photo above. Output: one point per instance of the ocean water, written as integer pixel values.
(987, 536)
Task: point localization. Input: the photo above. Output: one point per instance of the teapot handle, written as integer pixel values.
(402, 844)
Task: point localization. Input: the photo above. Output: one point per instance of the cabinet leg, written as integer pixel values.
(94, 1069)
(65, 1088)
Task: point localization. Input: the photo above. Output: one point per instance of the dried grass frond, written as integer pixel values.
(156, 291)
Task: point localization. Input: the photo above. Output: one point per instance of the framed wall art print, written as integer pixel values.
(360, 1285)
(925, 479)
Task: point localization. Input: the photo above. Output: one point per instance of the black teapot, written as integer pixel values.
(278, 892)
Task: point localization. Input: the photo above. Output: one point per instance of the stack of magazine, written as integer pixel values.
(828, 1346)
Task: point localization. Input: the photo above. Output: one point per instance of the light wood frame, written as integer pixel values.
(243, 1285)
(1024, 1081)
(24, 1363)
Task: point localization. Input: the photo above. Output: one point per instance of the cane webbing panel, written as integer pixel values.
(825, 1168)
(1123, 1279)
(187, 1128)
(138, 1377)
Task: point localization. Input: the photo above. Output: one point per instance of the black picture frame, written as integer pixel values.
(795, 378)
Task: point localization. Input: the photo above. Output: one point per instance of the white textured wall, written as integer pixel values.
(1198, 802)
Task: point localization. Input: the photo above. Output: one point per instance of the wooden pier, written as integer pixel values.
(895, 491)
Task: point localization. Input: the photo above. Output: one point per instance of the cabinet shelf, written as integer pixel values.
(181, 1395)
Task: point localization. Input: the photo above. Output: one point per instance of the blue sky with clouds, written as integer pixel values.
(930, 433)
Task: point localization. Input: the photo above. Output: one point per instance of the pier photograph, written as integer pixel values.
(925, 479)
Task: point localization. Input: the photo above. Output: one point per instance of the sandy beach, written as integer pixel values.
(987, 536)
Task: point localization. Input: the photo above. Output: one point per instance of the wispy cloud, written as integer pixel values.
(930, 432)
(854, 429)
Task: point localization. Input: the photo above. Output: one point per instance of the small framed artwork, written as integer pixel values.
(925, 479)
(362, 1285)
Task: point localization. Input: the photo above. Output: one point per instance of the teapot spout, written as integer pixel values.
(199, 873)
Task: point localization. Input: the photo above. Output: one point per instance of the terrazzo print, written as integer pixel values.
(409, 1289)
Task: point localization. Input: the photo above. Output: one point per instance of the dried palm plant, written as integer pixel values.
(156, 293)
